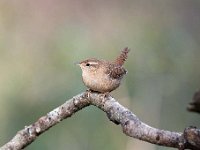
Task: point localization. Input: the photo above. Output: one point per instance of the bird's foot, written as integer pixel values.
(88, 92)
(105, 95)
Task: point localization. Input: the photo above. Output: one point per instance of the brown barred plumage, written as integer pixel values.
(116, 71)
(122, 57)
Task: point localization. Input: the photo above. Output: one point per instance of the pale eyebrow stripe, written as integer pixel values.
(93, 63)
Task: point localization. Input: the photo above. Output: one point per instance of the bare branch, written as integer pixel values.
(133, 127)
(26, 136)
(192, 138)
(118, 114)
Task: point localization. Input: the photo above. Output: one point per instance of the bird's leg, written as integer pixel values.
(105, 95)
(88, 91)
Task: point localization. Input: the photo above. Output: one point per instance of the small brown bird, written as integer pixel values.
(104, 76)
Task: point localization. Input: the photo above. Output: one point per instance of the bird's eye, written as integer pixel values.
(87, 64)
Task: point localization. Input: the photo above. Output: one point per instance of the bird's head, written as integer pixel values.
(90, 65)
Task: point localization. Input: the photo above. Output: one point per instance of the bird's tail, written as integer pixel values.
(122, 57)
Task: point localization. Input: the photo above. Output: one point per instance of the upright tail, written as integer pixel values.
(122, 57)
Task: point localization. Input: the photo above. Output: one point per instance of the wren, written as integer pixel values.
(104, 76)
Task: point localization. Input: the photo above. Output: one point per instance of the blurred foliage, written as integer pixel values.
(41, 40)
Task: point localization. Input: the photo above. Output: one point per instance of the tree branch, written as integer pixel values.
(118, 114)
(26, 136)
(194, 106)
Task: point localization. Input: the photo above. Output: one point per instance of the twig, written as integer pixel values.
(130, 123)
(194, 106)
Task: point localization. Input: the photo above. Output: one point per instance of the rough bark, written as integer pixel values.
(130, 123)
(27, 135)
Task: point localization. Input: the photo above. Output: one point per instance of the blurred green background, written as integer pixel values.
(41, 40)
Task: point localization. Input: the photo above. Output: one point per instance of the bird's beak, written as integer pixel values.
(77, 63)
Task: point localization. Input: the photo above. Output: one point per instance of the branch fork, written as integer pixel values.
(130, 123)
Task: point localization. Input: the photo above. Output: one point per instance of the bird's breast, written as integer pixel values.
(100, 82)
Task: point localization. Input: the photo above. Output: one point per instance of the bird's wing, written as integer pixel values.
(116, 71)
